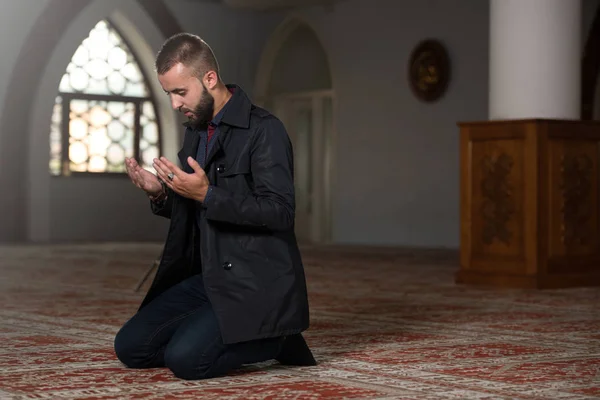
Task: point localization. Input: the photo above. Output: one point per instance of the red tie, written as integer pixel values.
(211, 131)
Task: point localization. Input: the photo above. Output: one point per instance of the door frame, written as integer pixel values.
(321, 224)
(261, 93)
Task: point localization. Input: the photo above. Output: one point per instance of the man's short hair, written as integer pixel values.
(189, 50)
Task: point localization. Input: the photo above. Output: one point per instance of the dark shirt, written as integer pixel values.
(208, 137)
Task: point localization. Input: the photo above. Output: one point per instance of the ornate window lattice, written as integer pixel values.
(104, 111)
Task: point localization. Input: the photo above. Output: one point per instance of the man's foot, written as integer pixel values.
(295, 351)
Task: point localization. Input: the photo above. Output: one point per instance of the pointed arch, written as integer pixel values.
(269, 55)
(105, 110)
(308, 110)
(34, 81)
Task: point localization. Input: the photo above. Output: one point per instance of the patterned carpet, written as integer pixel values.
(385, 325)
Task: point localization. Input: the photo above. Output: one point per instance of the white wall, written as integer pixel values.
(396, 177)
(121, 211)
(88, 208)
(236, 36)
(301, 64)
(396, 173)
(16, 20)
(42, 208)
(397, 170)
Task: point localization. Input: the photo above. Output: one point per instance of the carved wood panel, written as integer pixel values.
(530, 203)
(497, 196)
(573, 182)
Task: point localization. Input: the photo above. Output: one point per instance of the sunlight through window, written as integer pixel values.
(104, 111)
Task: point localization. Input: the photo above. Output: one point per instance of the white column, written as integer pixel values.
(535, 59)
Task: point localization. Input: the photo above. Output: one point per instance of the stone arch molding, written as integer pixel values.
(62, 26)
(276, 41)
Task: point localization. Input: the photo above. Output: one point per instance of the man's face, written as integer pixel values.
(188, 94)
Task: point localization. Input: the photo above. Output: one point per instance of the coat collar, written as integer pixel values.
(237, 112)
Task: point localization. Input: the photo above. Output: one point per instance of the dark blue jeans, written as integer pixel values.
(179, 330)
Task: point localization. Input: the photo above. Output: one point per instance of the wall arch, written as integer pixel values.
(301, 65)
(269, 54)
(40, 65)
(302, 95)
(24, 81)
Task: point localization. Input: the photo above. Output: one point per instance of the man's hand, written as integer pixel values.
(142, 178)
(193, 186)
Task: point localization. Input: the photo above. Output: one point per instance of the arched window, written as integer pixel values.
(104, 111)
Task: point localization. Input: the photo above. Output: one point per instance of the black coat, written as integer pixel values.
(244, 246)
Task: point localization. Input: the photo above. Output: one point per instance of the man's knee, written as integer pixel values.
(125, 347)
(129, 350)
(186, 364)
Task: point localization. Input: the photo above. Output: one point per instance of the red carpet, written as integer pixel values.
(386, 325)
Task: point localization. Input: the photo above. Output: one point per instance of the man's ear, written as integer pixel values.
(211, 79)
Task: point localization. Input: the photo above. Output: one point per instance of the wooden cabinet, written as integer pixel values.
(529, 203)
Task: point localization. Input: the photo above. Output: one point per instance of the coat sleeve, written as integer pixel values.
(164, 209)
(271, 205)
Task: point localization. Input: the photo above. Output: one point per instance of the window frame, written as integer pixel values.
(67, 97)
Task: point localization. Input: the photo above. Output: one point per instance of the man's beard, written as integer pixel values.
(203, 113)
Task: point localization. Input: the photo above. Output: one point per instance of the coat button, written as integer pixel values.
(227, 265)
(220, 168)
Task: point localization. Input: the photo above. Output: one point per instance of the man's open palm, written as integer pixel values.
(142, 178)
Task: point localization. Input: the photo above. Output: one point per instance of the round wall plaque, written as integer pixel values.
(429, 70)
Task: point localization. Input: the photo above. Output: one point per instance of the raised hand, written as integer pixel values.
(193, 186)
(142, 178)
